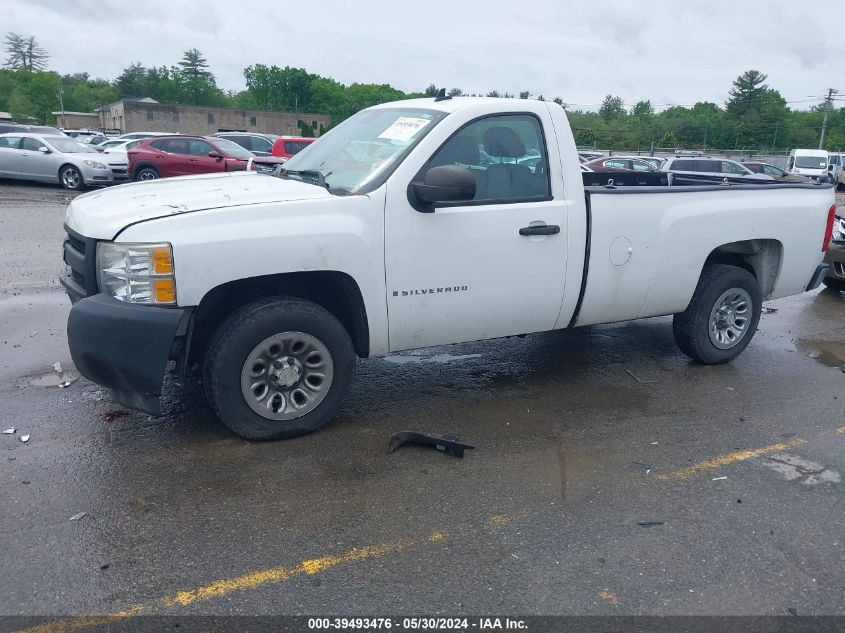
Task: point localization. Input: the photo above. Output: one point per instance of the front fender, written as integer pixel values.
(218, 246)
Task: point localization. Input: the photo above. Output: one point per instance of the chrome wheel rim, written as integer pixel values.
(147, 174)
(730, 318)
(70, 178)
(286, 376)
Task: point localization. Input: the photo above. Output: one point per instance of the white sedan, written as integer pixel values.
(60, 159)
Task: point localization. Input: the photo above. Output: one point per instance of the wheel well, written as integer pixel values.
(141, 166)
(335, 291)
(762, 258)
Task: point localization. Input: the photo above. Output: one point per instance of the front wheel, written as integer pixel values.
(722, 316)
(71, 178)
(147, 173)
(278, 368)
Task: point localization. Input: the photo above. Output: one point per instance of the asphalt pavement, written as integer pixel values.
(610, 475)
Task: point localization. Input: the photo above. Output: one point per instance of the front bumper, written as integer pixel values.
(835, 259)
(126, 347)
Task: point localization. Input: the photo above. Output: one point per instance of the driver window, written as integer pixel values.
(31, 144)
(505, 154)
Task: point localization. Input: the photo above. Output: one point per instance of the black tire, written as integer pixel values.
(834, 284)
(239, 335)
(71, 178)
(691, 327)
(147, 173)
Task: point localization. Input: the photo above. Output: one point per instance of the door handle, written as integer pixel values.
(540, 229)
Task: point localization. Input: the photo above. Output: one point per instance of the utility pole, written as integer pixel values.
(828, 102)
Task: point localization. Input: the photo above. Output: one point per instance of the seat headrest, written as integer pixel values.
(503, 142)
(460, 149)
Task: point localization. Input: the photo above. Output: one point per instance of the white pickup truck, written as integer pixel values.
(412, 224)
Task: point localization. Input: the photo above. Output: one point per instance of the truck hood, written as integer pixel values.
(103, 214)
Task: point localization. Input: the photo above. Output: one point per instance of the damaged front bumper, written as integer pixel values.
(126, 347)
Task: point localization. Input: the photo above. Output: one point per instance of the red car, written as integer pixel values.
(163, 156)
(288, 146)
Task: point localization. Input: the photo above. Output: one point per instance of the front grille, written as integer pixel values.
(118, 171)
(79, 253)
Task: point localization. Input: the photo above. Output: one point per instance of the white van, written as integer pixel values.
(811, 163)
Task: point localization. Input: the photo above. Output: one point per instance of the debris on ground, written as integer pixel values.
(649, 523)
(641, 466)
(24, 438)
(67, 383)
(638, 379)
(718, 478)
(9, 431)
(608, 596)
(106, 566)
(78, 516)
(767, 310)
(446, 443)
(33, 333)
(57, 367)
(111, 416)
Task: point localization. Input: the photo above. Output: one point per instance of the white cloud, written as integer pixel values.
(668, 52)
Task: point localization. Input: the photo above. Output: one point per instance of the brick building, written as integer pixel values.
(147, 115)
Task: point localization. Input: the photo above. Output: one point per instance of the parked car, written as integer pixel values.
(131, 136)
(623, 162)
(835, 257)
(7, 128)
(588, 156)
(289, 146)
(118, 147)
(710, 169)
(258, 144)
(811, 163)
(72, 164)
(165, 156)
(91, 137)
(759, 167)
(270, 287)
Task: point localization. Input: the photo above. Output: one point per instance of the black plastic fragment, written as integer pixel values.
(446, 443)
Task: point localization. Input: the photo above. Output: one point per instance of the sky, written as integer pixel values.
(670, 52)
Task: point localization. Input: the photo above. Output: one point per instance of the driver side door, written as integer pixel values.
(484, 267)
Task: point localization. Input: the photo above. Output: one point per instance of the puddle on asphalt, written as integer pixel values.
(830, 353)
(439, 358)
(51, 379)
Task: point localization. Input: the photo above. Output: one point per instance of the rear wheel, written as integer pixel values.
(147, 173)
(278, 368)
(722, 316)
(71, 178)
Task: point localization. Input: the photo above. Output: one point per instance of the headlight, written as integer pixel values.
(95, 164)
(839, 229)
(137, 273)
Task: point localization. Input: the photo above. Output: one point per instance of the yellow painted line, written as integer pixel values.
(225, 586)
(730, 458)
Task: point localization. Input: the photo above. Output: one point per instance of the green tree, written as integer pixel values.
(430, 91)
(611, 108)
(747, 89)
(494, 93)
(524, 94)
(132, 82)
(668, 140)
(456, 92)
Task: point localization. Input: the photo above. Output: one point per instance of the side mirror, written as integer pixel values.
(447, 183)
(44, 149)
(215, 154)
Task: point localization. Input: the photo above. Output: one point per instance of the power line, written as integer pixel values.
(830, 93)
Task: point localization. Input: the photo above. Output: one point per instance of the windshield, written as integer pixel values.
(359, 154)
(70, 146)
(811, 162)
(233, 149)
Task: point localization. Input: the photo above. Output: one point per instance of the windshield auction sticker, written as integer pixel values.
(404, 128)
